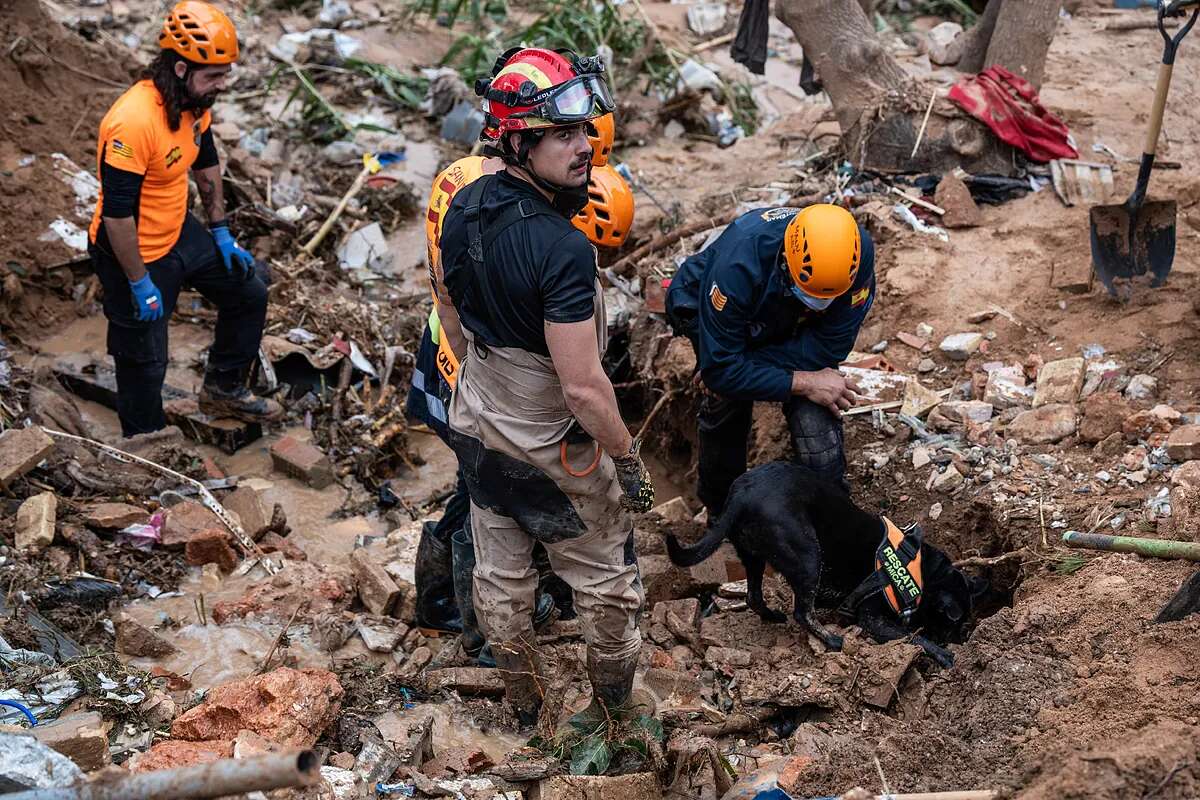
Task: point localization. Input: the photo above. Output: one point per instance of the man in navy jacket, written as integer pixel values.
(771, 308)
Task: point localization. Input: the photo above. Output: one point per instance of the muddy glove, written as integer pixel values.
(635, 480)
(238, 262)
(147, 299)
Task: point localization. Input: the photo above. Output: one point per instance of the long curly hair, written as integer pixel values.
(161, 71)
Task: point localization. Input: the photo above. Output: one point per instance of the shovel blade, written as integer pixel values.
(1126, 244)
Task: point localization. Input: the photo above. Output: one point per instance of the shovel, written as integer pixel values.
(1138, 236)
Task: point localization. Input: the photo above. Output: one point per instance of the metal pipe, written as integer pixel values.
(229, 776)
(1153, 548)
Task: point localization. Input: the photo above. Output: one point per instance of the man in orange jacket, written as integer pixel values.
(144, 244)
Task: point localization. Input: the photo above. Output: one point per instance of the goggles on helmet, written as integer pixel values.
(577, 100)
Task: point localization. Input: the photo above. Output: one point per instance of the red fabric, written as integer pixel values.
(1010, 107)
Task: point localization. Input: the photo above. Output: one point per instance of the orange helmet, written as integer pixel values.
(823, 248)
(608, 215)
(200, 32)
(601, 132)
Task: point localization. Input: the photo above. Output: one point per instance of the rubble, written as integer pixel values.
(1184, 443)
(135, 639)
(251, 512)
(212, 546)
(302, 461)
(961, 346)
(174, 753)
(953, 195)
(643, 786)
(1104, 414)
(35, 523)
(1059, 382)
(945, 48)
(22, 449)
(376, 589)
(1045, 425)
(1142, 388)
(81, 737)
(186, 521)
(26, 763)
(466, 680)
(114, 516)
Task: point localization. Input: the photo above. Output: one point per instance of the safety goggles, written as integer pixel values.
(577, 100)
(814, 303)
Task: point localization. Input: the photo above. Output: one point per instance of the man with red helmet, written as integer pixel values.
(534, 418)
(144, 244)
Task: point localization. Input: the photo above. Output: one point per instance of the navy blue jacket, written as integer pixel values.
(733, 301)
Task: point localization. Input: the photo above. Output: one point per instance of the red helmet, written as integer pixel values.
(536, 88)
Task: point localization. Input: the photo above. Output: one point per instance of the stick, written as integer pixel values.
(278, 639)
(887, 405)
(668, 239)
(717, 42)
(1151, 548)
(979, 561)
(654, 412)
(359, 181)
(924, 122)
(919, 202)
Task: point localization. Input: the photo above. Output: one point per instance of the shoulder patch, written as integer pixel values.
(121, 149)
(860, 297)
(772, 214)
(717, 298)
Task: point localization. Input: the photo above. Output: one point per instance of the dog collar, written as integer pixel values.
(897, 572)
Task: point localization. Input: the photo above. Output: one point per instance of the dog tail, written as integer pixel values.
(682, 556)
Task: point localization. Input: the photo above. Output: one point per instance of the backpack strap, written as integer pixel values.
(481, 240)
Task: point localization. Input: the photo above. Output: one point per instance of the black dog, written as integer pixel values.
(826, 547)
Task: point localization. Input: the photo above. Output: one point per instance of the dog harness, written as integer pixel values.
(897, 573)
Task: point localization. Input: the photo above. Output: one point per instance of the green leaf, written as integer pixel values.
(651, 726)
(638, 745)
(590, 757)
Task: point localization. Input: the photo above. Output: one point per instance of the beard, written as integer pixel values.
(201, 102)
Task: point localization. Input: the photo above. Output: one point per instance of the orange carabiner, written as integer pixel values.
(562, 454)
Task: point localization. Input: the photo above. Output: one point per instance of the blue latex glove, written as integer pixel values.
(147, 299)
(238, 261)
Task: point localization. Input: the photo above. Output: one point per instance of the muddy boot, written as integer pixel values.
(519, 665)
(224, 395)
(473, 641)
(437, 610)
(612, 688)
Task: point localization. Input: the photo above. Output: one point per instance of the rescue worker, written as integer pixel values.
(533, 418)
(771, 308)
(145, 246)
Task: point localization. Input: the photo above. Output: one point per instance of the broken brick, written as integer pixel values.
(81, 737)
(185, 520)
(1103, 415)
(1059, 382)
(252, 514)
(135, 639)
(272, 542)
(211, 547)
(174, 753)
(115, 516)
(466, 680)
(302, 461)
(376, 589)
(35, 523)
(1045, 425)
(1184, 443)
(22, 449)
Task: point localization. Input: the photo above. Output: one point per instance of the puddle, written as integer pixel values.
(452, 728)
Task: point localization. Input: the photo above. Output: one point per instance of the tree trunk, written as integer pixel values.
(1021, 39)
(977, 39)
(879, 108)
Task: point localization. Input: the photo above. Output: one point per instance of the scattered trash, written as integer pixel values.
(905, 214)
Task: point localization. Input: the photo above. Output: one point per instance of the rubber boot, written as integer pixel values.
(225, 395)
(473, 641)
(437, 610)
(612, 688)
(522, 673)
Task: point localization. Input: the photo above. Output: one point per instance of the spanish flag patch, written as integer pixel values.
(860, 297)
(718, 300)
(122, 149)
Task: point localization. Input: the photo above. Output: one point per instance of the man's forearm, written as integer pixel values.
(122, 235)
(212, 194)
(595, 406)
(452, 329)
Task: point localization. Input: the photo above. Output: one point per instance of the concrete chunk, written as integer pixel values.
(1045, 425)
(466, 680)
(918, 399)
(81, 737)
(1059, 382)
(22, 449)
(252, 513)
(376, 589)
(35, 523)
(115, 516)
(1184, 443)
(961, 346)
(186, 520)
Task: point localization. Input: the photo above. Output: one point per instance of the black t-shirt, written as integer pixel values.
(538, 269)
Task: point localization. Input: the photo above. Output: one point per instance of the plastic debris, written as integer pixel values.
(905, 214)
(142, 535)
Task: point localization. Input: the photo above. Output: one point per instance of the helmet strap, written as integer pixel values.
(567, 200)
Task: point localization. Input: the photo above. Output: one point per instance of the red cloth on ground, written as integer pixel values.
(1011, 108)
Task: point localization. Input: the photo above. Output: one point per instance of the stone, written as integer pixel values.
(341, 784)
(211, 547)
(924, 330)
(289, 706)
(376, 761)
(1184, 443)
(718, 657)
(672, 688)
(721, 567)
(272, 542)
(948, 479)
(935, 511)
(185, 520)
(115, 516)
(1110, 445)
(662, 580)
(1045, 425)
(158, 709)
(964, 411)
(321, 589)
(642, 785)
(1135, 458)
(1143, 425)
(918, 400)
(35, 523)
(1059, 382)
(1165, 412)
(1142, 387)
(980, 317)
(417, 661)
(252, 513)
(961, 346)
(926, 365)
(26, 763)
(135, 639)
(249, 744)
(174, 753)
(1103, 415)
(22, 449)
(1186, 474)
(920, 457)
(416, 747)
(681, 617)
(341, 761)
(81, 737)
(302, 461)
(378, 592)
(466, 680)
(1005, 388)
(955, 199)
(381, 636)
(945, 47)
(674, 510)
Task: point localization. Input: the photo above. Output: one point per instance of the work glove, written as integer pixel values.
(636, 486)
(238, 262)
(147, 299)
